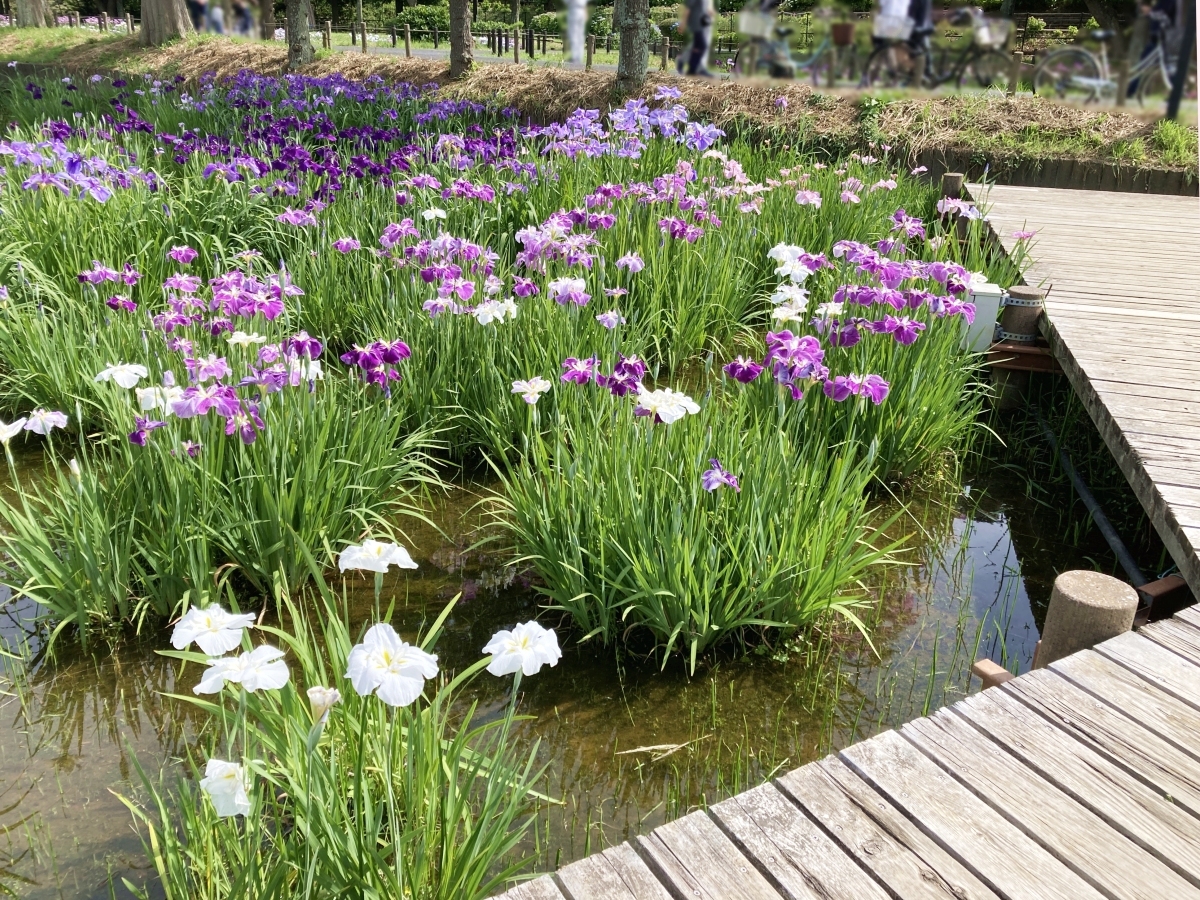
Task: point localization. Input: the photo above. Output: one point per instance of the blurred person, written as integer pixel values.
(216, 17)
(196, 12)
(698, 17)
(576, 29)
(243, 22)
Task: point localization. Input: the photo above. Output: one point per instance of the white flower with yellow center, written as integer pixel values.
(388, 667)
(525, 649)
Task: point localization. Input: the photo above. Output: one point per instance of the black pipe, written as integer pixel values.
(1184, 63)
(1124, 557)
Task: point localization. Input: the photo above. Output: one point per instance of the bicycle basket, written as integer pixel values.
(892, 28)
(992, 33)
(753, 23)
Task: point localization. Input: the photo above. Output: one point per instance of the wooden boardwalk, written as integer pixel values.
(1123, 319)
(1080, 780)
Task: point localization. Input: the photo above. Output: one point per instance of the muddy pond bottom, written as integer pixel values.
(629, 746)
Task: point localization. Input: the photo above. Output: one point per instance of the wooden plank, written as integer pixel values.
(791, 849)
(1075, 835)
(1113, 734)
(1000, 854)
(1167, 670)
(1190, 616)
(695, 858)
(1129, 806)
(542, 888)
(1176, 636)
(617, 873)
(895, 851)
(1137, 698)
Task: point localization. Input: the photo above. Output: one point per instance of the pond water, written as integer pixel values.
(980, 572)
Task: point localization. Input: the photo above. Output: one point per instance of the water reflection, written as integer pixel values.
(76, 727)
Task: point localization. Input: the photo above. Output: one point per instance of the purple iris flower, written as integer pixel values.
(871, 387)
(903, 329)
(632, 262)
(436, 307)
(911, 226)
(191, 448)
(395, 233)
(392, 352)
(182, 255)
(245, 422)
(271, 379)
(795, 360)
(212, 366)
(626, 377)
(130, 276)
(524, 287)
(346, 245)
(303, 346)
(142, 429)
(580, 371)
(743, 370)
(368, 357)
(382, 375)
(717, 477)
(402, 198)
(120, 302)
(268, 353)
(185, 284)
(98, 274)
(425, 181)
(297, 217)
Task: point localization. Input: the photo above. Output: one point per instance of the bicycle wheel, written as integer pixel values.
(989, 69)
(1070, 73)
(745, 60)
(882, 69)
(1150, 86)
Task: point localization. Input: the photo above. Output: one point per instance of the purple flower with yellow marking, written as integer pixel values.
(346, 245)
(717, 476)
(626, 377)
(632, 262)
(120, 302)
(610, 319)
(201, 370)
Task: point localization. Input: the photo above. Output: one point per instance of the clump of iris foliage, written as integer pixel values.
(268, 308)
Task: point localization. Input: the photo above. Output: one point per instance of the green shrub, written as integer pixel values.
(1034, 26)
(547, 23)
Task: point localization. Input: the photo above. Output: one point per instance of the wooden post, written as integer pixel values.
(392, 32)
(665, 50)
(328, 34)
(129, 23)
(952, 183)
(991, 674)
(435, 37)
(407, 40)
(103, 21)
(608, 43)
(591, 49)
(1086, 608)
(353, 35)
(545, 37)
(1014, 74)
(835, 53)
(516, 39)
(362, 36)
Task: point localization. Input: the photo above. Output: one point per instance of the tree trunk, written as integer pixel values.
(462, 56)
(299, 44)
(631, 18)
(1104, 14)
(163, 20)
(516, 12)
(266, 19)
(33, 14)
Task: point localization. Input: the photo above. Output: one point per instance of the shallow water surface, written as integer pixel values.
(979, 577)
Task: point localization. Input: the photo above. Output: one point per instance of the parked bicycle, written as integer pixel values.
(895, 62)
(767, 49)
(1076, 73)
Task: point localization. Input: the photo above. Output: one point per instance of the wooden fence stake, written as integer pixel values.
(1014, 75)
(104, 21)
(407, 41)
(664, 46)
(363, 37)
(516, 38)
(392, 34)
(591, 49)
(328, 34)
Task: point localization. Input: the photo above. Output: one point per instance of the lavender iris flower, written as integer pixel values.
(717, 477)
(346, 245)
(626, 377)
(120, 302)
(303, 346)
(870, 387)
(524, 287)
(43, 421)
(212, 366)
(632, 262)
(610, 319)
